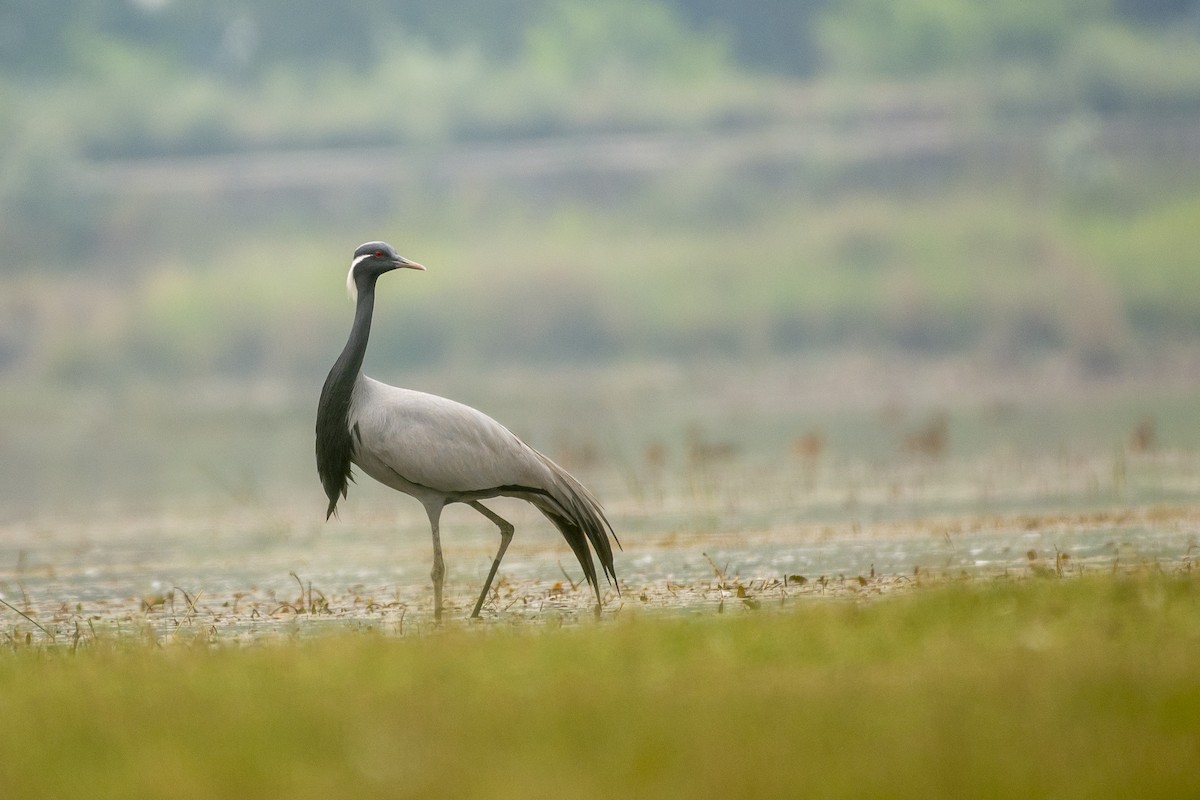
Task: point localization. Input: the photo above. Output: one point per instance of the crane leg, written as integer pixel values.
(506, 534)
(438, 573)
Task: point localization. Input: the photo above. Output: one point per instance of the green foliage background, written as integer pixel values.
(942, 176)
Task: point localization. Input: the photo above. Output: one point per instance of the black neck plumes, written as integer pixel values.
(334, 444)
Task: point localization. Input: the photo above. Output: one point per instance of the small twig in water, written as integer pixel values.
(719, 572)
(190, 614)
(563, 570)
(28, 618)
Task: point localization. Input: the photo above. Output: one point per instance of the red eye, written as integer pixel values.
(379, 254)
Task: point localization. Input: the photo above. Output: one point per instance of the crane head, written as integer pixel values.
(372, 260)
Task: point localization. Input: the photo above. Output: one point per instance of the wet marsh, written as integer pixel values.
(996, 596)
(729, 507)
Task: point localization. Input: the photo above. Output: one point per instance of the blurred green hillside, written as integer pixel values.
(181, 184)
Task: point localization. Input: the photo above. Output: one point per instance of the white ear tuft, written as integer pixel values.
(351, 286)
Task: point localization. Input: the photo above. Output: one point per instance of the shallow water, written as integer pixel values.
(731, 537)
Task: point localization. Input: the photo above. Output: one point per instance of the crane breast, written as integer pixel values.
(436, 443)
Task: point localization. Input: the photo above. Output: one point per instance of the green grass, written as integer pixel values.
(1083, 687)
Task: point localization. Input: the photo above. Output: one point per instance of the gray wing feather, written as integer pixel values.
(439, 443)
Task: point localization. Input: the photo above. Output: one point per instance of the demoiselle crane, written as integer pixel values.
(438, 450)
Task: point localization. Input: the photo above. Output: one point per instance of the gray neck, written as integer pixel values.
(335, 447)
